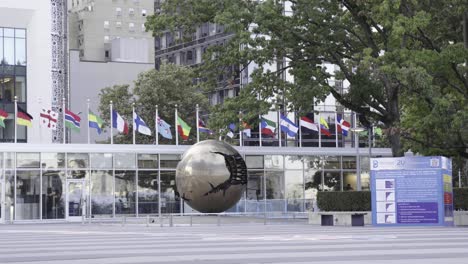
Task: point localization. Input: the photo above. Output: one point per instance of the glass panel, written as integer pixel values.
(9, 87)
(312, 162)
(148, 192)
(102, 198)
(349, 163)
(125, 192)
(332, 162)
(53, 195)
(254, 162)
(170, 202)
(1, 49)
(1, 163)
(9, 51)
(294, 182)
(169, 161)
(20, 33)
(349, 181)
(274, 162)
(20, 51)
(28, 189)
(78, 160)
(52, 160)
(9, 194)
(124, 161)
(293, 162)
(274, 185)
(20, 90)
(9, 32)
(365, 163)
(147, 161)
(365, 181)
(255, 192)
(75, 198)
(27, 160)
(77, 174)
(101, 160)
(9, 160)
(332, 181)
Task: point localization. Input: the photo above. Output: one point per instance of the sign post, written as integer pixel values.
(412, 191)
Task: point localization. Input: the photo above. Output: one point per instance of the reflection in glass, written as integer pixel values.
(169, 161)
(349, 181)
(52, 160)
(332, 181)
(20, 89)
(170, 202)
(254, 162)
(9, 51)
(147, 161)
(332, 162)
(53, 195)
(9, 160)
(78, 160)
(274, 184)
(255, 196)
(20, 51)
(312, 162)
(9, 88)
(102, 198)
(293, 162)
(125, 191)
(101, 160)
(9, 194)
(75, 198)
(28, 188)
(274, 162)
(294, 182)
(349, 163)
(124, 160)
(365, 181)
(148, 192)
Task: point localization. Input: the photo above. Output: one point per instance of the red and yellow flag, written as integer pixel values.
(3, 115)
(23, 118)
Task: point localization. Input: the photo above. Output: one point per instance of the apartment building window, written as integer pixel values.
(131, 11)
(143, 12)
(106, 24)
(118, 24)
(131, 27)
(118, 11)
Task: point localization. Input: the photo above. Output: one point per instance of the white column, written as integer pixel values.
(16, 118)
(241, 131)
(63, 118)
(279, 127)
(176, 127)
(89, 134)
(156, 124)
(319, 125)
(111, 123)
(260, 131)
(336, 130)
(134, 123)
(198, 132)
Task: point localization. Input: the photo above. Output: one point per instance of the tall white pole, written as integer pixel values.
(157, 126)
(459, 178)
(198, 132)
(89, 133)
(300, 131)
(176, 128)
(319, 125)
(134, 123)
(260, 130)
(336, 130)
(16, 118)
(358, 158)
(241, 131)
(279, 127)
(63, 118)
(111, 123)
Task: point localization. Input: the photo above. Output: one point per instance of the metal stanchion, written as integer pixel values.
(82, 219)
(161, 219)
(191, 220)
(124, 220)
(147, 221)
(264, 218)
(171, 224)
(219, 220)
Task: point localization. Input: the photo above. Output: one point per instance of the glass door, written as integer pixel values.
(2, 201)
(76, 206)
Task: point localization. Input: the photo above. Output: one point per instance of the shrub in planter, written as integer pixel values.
(460, 199)
(344, 201)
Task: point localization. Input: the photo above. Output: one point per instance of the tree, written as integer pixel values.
(171, 85)
(390, 52)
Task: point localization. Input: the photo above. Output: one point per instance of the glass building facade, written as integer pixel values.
(52, 182)
(12, 79)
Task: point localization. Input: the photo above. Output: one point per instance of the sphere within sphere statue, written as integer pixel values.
(211, 177)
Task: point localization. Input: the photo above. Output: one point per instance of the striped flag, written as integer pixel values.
(3, 115)
(95, 121)
(23, 118)
(268, 127)
(72, 121)
(324, 129)
(183, 128)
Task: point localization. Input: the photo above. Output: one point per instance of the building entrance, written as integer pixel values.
(76, 205)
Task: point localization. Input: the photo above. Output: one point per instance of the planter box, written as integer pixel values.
(340, 218)
(460, 218)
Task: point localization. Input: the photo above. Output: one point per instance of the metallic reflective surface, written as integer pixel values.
(211, 177)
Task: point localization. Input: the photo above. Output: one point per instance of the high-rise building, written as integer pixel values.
(111, 30)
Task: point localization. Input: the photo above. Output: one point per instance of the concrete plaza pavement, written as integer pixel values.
(293, 242)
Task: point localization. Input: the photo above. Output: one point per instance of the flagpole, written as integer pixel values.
(16, 117)
(300, 132)
(279, 127)
(198, 134)
(240, 129)
(134, 124)
(157, 126)
(63, 118)
(89, 140)
(320, 130)
(336, 130)
(176, 128)
(111, 123)
(260, 130)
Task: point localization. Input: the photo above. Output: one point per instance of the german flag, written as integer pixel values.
(23, 118)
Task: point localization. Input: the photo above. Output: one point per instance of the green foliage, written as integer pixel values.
(344, 201)
(171, 85)
(403, 59)
(460, 199)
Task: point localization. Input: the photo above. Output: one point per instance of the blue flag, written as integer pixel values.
(288, 126)
(164, 128)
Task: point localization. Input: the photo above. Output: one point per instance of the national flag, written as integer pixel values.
(247, 130)
(119, 123)
(23, 118)
(288, 126)
(95, 121)
(202, 127)
(49, 118)
(140, 125)
(232, 129)
(307, 123)
(183, 128)
(164, 128)
(3, 115)
(72, 121)
(343, 126)
(324, 129)
(268, 127)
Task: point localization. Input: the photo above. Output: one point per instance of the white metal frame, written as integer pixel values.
(83, 197)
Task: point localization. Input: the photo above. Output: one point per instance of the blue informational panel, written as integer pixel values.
(412, 191)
